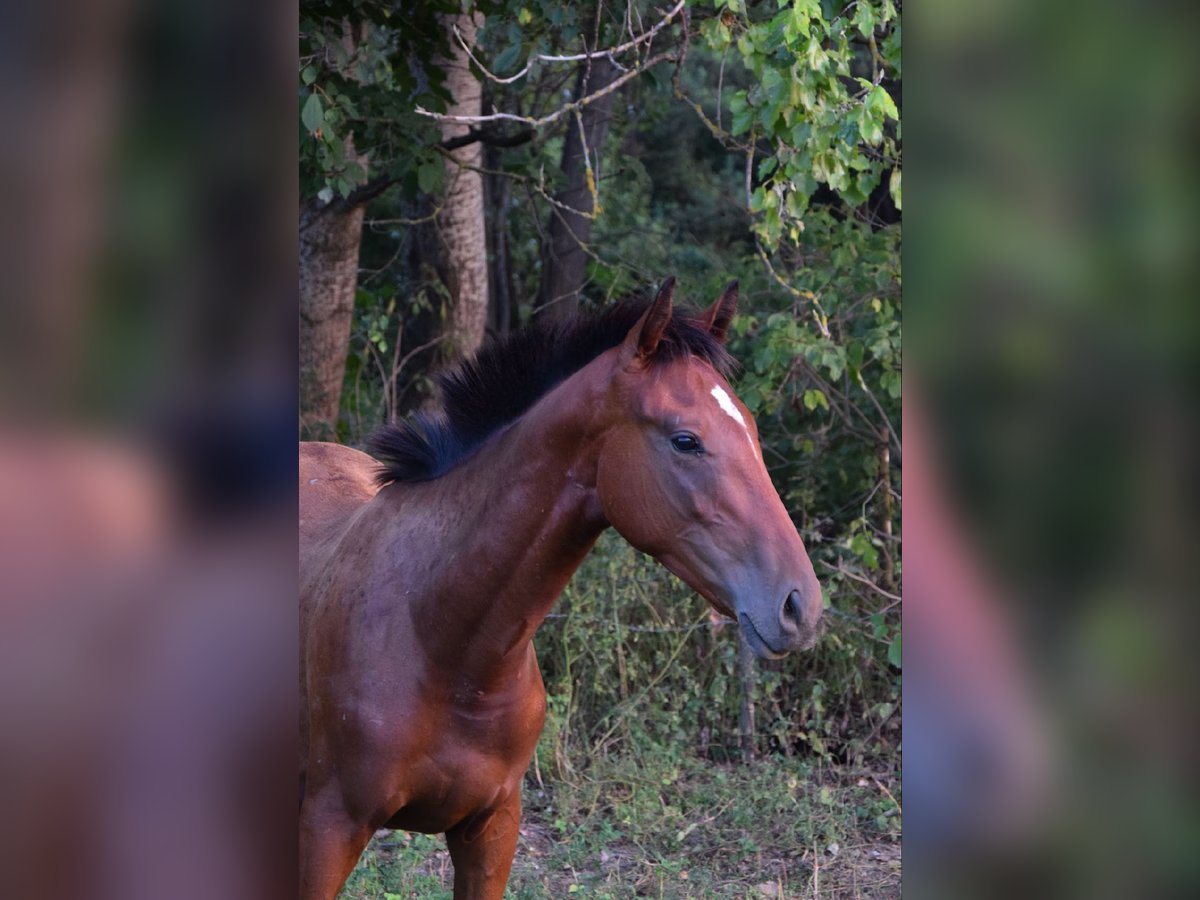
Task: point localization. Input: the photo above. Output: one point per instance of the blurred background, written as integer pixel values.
(147, 421)
(1051, 371)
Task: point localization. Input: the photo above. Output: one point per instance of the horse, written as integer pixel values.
(426, 568)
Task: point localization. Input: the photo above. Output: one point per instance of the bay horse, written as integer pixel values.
(426, 570)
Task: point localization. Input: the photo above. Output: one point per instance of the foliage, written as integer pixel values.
(363, 69)
(808, 99)
(635, 667)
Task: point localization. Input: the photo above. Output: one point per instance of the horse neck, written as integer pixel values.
(525, 514)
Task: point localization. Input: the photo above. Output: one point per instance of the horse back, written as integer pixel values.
(334, 481)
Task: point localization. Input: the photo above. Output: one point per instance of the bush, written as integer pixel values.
(634, 665)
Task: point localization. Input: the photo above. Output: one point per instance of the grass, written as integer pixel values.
(661, 825)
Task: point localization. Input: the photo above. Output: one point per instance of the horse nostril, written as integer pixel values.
(791, 608)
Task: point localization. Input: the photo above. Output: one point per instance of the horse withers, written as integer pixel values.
(426, 570)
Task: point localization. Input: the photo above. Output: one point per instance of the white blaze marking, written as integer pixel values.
(727, 404)
(731, 410)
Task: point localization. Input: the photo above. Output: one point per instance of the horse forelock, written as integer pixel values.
(485, 392)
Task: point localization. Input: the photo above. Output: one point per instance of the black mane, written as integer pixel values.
(508, 376)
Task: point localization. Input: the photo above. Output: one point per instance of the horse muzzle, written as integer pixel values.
(795, 624)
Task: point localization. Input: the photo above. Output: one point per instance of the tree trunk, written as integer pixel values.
(746, 726)
(460, 223)
(502, 316)
(564, 259)
(329, 243)
(330, 237)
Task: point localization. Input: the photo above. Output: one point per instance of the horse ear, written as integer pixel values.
(717, 317)
(643, 338)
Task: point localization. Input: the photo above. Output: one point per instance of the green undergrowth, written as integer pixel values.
(633, 658)
(663, 825)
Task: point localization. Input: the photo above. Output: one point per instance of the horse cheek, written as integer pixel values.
(628, 497)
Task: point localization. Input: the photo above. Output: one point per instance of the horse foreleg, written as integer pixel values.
(482, 849)
(330, 845)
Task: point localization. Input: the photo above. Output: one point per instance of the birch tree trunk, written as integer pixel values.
(460, 223)
(564, 260)
(329, 244)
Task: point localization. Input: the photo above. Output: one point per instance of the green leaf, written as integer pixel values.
(834, 361)
(869, 125)
(762, 359)
(308, 74)
(894, 187)
(429, 176)
(814, 398)
(797, 24)
(313, 114)
(854, 195)
(892, 383)
(891, 49)
(507, 58)
(895, 652)
(742, 121)
(864, 19)
(335, 148)
(774, 85)
(881, 100)
(816, 54)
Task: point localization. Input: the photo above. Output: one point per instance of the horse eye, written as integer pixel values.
(686, 443)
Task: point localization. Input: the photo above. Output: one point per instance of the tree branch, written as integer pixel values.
(538, 184)
(557, 114)
(819, 315)
(577, 57)
(369, 190)
(491, 138)
(895, 598)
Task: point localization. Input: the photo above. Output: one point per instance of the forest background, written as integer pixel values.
(466, 167)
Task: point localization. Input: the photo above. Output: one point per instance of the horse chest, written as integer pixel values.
(473, 764)
(447, 789)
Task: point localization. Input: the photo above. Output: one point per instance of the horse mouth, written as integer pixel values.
(761, 648)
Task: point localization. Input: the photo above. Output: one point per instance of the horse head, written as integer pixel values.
(680, 475)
